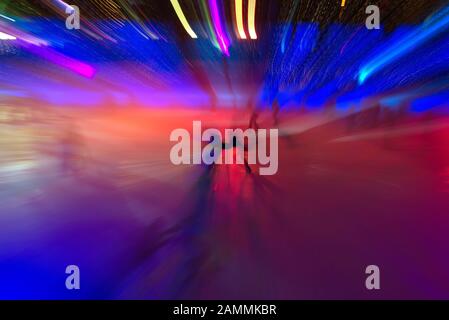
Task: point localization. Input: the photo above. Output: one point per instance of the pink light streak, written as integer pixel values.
(61, 60)
(223, 40)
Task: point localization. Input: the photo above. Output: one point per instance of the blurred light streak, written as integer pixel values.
(7, 18)
(427, 30)
(61, 60)
(288, 28)
(12, 31)
(96, 32)
(206, 15)
(223, 41)
(343, 3)
(5, 36)
(251, 19)
(239, 18)
(135, 17)
(62, 5)
(183, 19)
(285, 65)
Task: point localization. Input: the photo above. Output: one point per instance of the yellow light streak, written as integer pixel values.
(251, 19)
(183, 19)
(239, 18)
